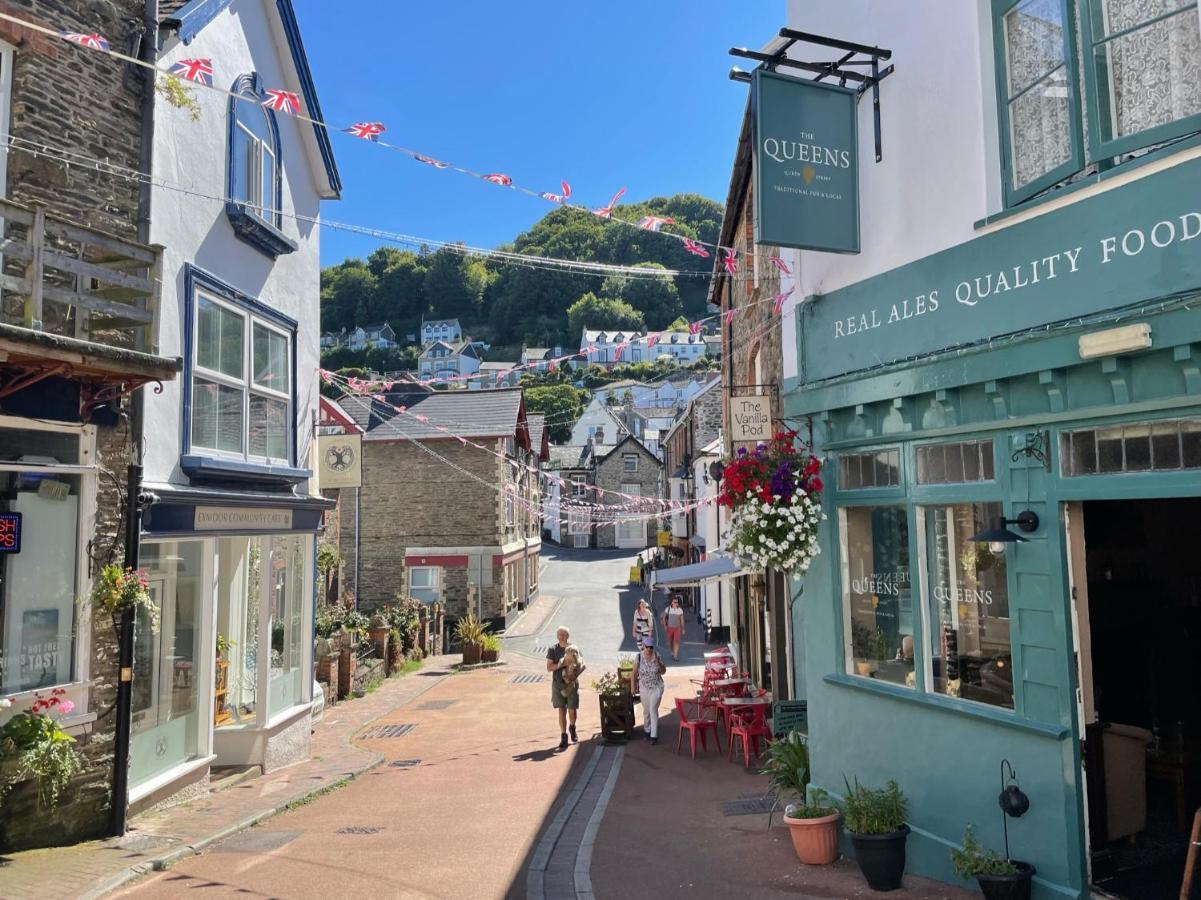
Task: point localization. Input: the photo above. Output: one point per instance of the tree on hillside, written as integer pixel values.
(561, 404)
(657, 299)
(609, 313)
(454, 286)
(343, 288)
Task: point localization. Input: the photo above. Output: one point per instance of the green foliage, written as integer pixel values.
(513, 304)
(469, 630)
(223, 645)
(174, 91)
(611, 684)
(118, 589)
(874, 810)
(33, 746)
(491, 642)
(561, 404)
(353, 620)
(328, 619)
(818, 806)
(328, 558)
(974, 860)
(609, 313)
(787, 766)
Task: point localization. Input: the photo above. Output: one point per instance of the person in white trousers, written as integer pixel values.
(647, 680)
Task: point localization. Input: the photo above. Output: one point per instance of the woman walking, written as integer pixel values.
(673, 621)
(647, 679)
(643, 626)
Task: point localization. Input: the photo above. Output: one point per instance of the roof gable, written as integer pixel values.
(189, 18)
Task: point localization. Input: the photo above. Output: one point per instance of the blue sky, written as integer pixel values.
(601, 93)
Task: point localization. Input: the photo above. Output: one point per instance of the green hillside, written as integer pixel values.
(511, 304)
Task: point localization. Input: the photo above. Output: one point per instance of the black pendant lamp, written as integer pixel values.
(998, 536)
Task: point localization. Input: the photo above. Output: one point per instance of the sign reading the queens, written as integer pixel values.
(806, 164)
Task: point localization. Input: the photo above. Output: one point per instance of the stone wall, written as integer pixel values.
(755, 331)
(610, 476)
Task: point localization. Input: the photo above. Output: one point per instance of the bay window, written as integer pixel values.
(241, 381)
(1085, 82)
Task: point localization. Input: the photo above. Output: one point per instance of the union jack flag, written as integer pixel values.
(558, 198)
(696, 327)
(654, 223)
(590, 349)
(368, 131)
(198, 70)
(779, 264)
(91, 41)
(282, 101)
(497, 178)
(430, 161)
(620, 350)
(652, 339)
(730, 260)
(606, 212)
(695, 248)
(777, 302)
(729, 314)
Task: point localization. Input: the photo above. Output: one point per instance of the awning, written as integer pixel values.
(717, 567)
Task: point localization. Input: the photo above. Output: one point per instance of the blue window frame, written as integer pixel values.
(254, 170)
(239, 409)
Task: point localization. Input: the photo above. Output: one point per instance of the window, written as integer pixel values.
(876, 592)
(286, 586)
(1121, 70)
(1141, 59)
(423, 583)
(579, 487)
(955, 463)
(629, 462)
(968, 597)
(46, 482)
(254, 178)
(870, 470)
(578, 522)
(508, 506)
(241, 383)
(1146, 446)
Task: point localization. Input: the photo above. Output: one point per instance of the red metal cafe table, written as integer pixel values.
(729, 703)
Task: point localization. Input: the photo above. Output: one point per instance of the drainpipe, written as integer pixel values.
(147, 52)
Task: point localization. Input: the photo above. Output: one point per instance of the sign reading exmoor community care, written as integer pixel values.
(806, 164)
(1117, 249)
(750, 418)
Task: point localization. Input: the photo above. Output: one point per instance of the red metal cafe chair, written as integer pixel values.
(747, 724)
(696, 718)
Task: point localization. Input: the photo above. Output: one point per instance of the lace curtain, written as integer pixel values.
(1149, 74)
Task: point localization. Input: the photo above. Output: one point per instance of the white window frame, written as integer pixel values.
(626, 459)
(78, 689)
(245, 384)
(578, 522)
(254, 175)
(579, 487)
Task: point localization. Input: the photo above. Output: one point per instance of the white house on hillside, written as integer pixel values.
(621, 347)
(446, 360)
(440, 330)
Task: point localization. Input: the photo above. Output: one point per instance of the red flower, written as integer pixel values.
(815, 485)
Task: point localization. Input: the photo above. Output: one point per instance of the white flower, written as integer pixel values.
(6, 703)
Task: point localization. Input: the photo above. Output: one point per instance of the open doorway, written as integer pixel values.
(1136, 575)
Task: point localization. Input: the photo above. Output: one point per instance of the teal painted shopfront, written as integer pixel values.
(1052, 366)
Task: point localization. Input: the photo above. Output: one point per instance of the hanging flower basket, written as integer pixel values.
(774, 492)
(116, 590)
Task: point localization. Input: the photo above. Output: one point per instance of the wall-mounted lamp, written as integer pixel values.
(998, 536)
(1013, 800)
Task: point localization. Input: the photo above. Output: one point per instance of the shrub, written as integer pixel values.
(787, 766)
(874, 810)
(974, 860)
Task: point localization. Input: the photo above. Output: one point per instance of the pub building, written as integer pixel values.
(1005, 382)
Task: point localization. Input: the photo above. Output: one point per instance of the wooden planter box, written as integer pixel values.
(489, 656)
(221, 714)
(472, 654)
(617, 716)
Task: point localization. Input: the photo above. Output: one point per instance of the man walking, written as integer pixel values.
(566, 701)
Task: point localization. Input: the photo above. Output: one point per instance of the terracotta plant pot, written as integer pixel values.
(865, 668)
(815, 840)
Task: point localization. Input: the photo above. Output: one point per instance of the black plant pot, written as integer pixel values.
(881, 858)
(1008, 887)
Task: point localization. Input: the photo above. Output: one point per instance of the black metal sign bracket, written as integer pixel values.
(843, 68)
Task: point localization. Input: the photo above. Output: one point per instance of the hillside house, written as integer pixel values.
(447, 330)
(448, 361)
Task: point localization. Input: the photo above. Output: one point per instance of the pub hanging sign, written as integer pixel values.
(806, 164)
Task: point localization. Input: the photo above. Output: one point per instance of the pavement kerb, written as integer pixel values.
(167, 859)
(516, 626)
(583, 862)
(535, 875)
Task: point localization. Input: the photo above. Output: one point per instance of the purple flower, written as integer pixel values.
(782, 482)
(742, 451)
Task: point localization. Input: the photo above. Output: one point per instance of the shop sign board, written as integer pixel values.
(750, 418)
(663, 539)
(1121, 248)
(806, 163)
(341, 463)
(237, 518)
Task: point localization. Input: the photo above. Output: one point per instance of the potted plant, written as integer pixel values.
(395, 650)
(999, 878)
(491, 648)
(117, 590)
(814, 829)
(875, 818)
(34, 747)
(616, 706)
(813, 825)
(470, 634)
(862, 647)
(221, 715)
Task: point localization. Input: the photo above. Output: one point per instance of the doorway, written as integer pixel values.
(1136, 578)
